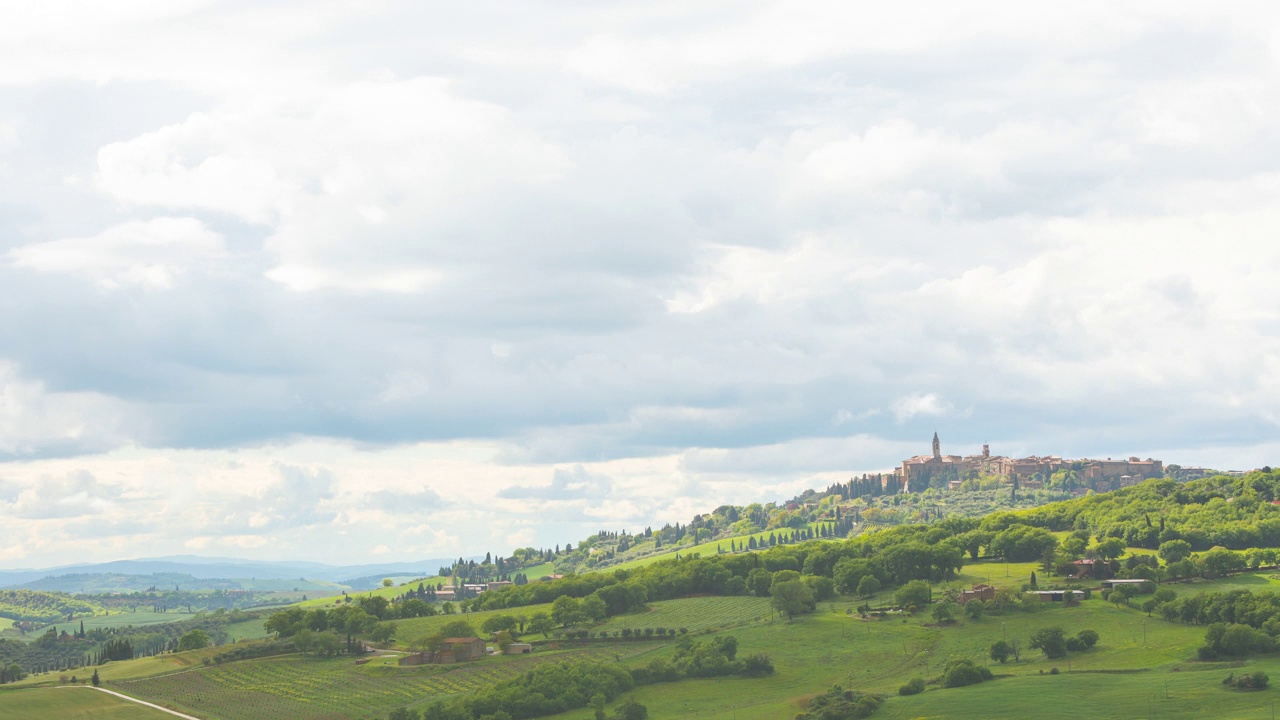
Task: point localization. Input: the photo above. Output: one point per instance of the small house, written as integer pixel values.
(462, 649)
(517, 649)
(979, 592)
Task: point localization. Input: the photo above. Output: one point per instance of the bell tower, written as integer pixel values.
(937, 447)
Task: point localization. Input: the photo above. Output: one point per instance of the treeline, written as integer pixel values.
(1231, 512)
(554, 688)
(893, 557)
(39, 606)
(54, 651)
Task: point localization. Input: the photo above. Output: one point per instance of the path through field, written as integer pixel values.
(140, 702)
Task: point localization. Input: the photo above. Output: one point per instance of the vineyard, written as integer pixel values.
(298, 686)
(694, 614)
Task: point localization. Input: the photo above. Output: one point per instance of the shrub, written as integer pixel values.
(1000, 651)
(631, 710)
(914, 687)
(1252, 681)
(1050, 640)
(959, 673)
(840, 703)
(758, 664)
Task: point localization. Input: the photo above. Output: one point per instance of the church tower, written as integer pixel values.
(937, 447)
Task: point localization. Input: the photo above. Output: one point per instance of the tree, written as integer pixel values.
(383, 632)
(1052, 641)
(540, 622)
(791, 597)
(868, 586)
(959, 673)
(944, 612)
(915, 593)
(386, 582)
(593, 608)
(95, 679)
(566, 611)
(194, 640)
(759, 581)
(974, 609)
(351, 620)
(498, 623)
(1173, 551)
(631, 710)
(1000, 651)
(1220, 561)
(1109, 549)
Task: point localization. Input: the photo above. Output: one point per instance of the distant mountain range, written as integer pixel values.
(356, 576)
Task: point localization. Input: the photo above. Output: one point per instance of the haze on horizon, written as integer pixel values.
(405, 280)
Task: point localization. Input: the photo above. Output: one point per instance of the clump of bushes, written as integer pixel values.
(1251, 681)
(1234, 639)
(1083, 640)
(914, 687)
(959, 673)
(842, 704)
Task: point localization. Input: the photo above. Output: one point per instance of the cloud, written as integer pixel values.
(35, 421)
(70, 496)
(927, 404)
(576, 483)
(151, 254)
(389, 501)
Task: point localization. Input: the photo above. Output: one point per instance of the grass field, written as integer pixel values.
(137, 619)
(815, 651)
(695, 614)
(297, 686)
(704, 549)
(409, 631)
(72, 703)
(246, 630)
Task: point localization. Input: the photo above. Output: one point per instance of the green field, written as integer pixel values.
(72, 703)
(246, 630)
(413, 629)
(694, 614)
(114, 620)
(297, 686)
(815, 651)
(707, 548)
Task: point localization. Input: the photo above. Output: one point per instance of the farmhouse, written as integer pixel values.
(979, 592)
(517, 649)
(1090, 567)
(498, 584)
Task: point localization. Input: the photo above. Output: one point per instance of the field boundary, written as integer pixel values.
(136, 700)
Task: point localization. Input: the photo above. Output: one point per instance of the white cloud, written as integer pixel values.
(151, 254)
(929, 404)
(34, 420)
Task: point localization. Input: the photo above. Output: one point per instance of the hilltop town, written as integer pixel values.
(1033, 472)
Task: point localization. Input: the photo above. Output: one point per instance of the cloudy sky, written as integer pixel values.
(395, 280)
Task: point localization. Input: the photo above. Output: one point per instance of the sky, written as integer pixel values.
(349, 282)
